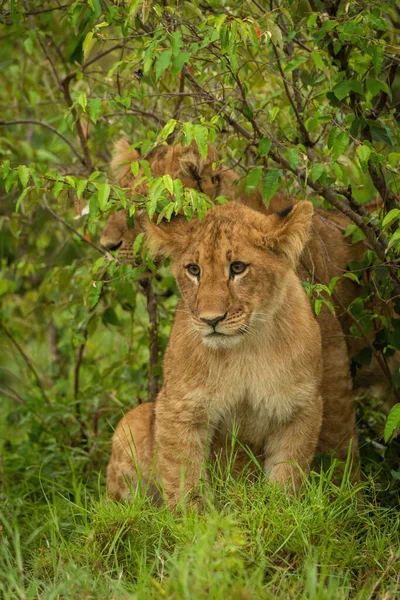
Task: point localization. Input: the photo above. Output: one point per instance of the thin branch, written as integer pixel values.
(306, 138)
(77, 369)
(68, 226)
(47, 126)
(12, 396)
(81, 134)
(90, 61)
(134, 111)
(180, 97)
(46, 10)
(27, 361)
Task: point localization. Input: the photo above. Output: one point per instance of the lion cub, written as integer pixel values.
(244, 352)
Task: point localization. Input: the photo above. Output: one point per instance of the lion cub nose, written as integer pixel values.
(213, 321)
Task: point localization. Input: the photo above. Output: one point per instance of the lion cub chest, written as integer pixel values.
(255, 393)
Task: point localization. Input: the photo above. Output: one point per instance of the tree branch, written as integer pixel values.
(47, 126)
(68, 226)
(12, 396)
(27, 361)
(77, 369)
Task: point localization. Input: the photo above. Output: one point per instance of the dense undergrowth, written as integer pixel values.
(61, 538)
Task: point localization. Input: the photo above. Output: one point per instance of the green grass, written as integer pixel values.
(61, 538)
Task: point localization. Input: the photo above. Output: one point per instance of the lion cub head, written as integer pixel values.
(233, 267)
(181, 162)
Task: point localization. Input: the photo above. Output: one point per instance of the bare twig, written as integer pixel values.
(90, 61)
(12, 396)
(47, 126)
(306, 138)
(77, 369)
(27, 361)
(136, 111)
(68, 226)
(46, 10)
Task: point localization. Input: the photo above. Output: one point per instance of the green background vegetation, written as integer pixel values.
(300, 97)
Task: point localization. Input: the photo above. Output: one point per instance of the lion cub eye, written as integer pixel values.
(237, 268)
(193, 270)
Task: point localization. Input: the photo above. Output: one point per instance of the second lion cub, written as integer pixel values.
(244, 351)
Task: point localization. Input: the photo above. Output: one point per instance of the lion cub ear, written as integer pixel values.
(166, 238)
(291, 229)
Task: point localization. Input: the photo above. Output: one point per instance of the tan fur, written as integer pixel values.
(207, 175)
(261, 374)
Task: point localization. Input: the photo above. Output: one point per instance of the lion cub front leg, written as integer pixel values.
(290, 448)
(181, 441)
(132, 461)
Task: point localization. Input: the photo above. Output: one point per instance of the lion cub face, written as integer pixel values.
(232, 267)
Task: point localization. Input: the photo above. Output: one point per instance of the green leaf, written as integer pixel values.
(167, 129)
(70, 180)
(317, 171)
(276, 33)
(392, 422)
(151, 206)
(94, 293)
(253, 178)
(342, 89)
(317, 307)
(88, 44)
(169, 184)
(23, 174)
(5, 168)
(10, 180)
(379, 133)
(98, 264)
(271, 184)
(373, 86)
(357, 87)
(94, 108)
(363, 152)
(340, 144)
(201, 137)
(82, 101)
(110, 317)
(176, 42)
(178, 189)
(390, 217)
(163, 62)
(394, 238)
(103, 194)
(58, 186)
(317, 58)
(293, 157)
(22, 196)
(188, 131)
(264, 146)
(28, 45)
(137, 244)
(377, 57)
(80, 188)
(178, 62)
(135, 168)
